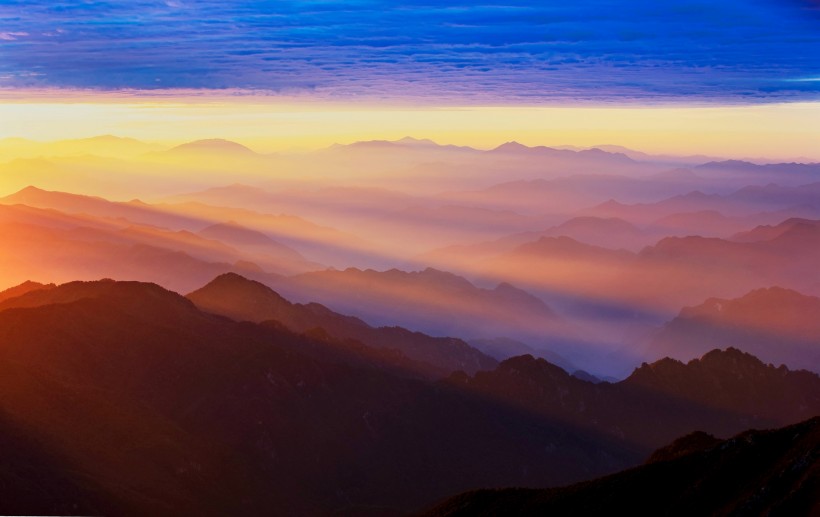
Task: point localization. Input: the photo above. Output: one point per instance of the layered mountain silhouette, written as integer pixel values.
(682, 270)
(747, 201)
(246, 300)
(82, 252)
(123, 397)
(290, 233)
(326, 362)
(147, 405)
(794, 226)
(780, 326)
(19, 290)
(771, 472)
(723, 392)
(432, 301)
(68, 236)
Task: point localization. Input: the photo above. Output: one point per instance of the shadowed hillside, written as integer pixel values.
(755, 473)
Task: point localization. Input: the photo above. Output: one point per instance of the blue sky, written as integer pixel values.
(506, 52)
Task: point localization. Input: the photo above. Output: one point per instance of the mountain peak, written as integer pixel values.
(729, 359)
(214, 146)
(234, 281)
(21, 289)
(409, 140)
(511, 146)
(531, 367)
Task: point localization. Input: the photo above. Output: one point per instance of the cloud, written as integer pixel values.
(502, 52)
(12, 36)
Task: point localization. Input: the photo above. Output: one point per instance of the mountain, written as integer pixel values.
(794, 173)
(246, 300)
(641, 156)
(690, 266)
(771, 472)
(617, 297)
(21, 289)
(744, 202)
(432, 301)
(269, 253)
(406, 144)
(771, 232)
(735, 381)
(773, 196)
(96, 206)
(85, 252)
(779, 326)
(135, 402)
(125, 398)
(723, 392)
(609, 233)
(562, 265)
(605, 232)
(216, 147)
(516, 148)
(566, 196)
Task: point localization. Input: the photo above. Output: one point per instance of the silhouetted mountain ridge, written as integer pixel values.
(242, 299)
(161, 409)
(722, 392)
(755, 473)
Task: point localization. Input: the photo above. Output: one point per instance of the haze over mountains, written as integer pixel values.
(370, 328)
(581, 253)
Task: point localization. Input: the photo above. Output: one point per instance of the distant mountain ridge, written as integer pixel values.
(775, 324)
(435, 302)
(213, 146)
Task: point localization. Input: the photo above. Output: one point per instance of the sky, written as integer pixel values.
(329, 59)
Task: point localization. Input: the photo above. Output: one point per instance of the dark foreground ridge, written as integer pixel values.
(755, 473)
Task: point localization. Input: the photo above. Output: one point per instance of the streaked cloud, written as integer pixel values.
(512, 52)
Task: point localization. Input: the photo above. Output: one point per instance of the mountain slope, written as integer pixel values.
(21, 289)
(245, 300)
(154, 407)
(755, 473)
(779, 326)
(431, 301)
(723, 392)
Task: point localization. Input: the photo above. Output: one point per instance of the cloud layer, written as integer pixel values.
(504, 52)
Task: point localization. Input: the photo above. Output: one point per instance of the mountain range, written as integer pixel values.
(123, 397)
(780, 326)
